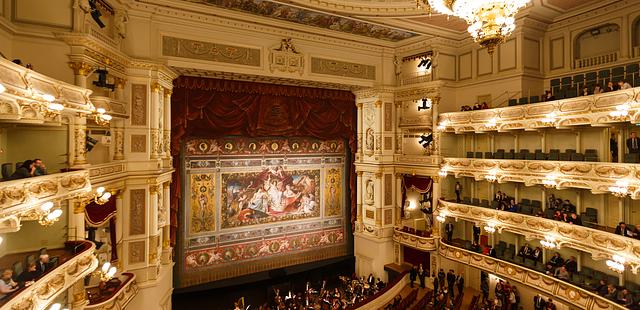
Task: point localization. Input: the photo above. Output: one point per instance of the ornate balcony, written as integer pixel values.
(414, 241)
(601, 245)
(21, 197)
(107, 172)
(595, 176)
(567, 292)
(594, 110)
(24, 95)
(118, 299)
(55, 282)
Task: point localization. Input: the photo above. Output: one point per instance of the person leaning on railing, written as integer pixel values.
(7, 285)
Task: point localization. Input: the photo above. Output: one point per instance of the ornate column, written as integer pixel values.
(435, 114)
(360, 187)
(80, 71)
(378, 128)
(398, 138)
(79, 142)
(167, 124)
(398, 213)
(622, 147)
(156, 103)
(117, 126)
(119, 224)
(76, 220)
(165, 257)
(435, 194)
(378, 201)
(154, 235)
(360, 131)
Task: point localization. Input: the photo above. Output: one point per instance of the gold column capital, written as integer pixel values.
(81, 68)
(154, 189)
(168, 92)
(120, 82)
(378, 175)
(78, 206)
(359, 173)
(378, 103)
(156, 87)
(359, 105)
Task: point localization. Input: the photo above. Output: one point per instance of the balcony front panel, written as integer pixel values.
(586, 110)
(118, 299)
(55, 282)
(572, 294)
(414, 241)
(18, 197)
(597, 177)
(601, 245)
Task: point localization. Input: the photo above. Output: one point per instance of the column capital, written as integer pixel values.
(359, 173)
(378, 175)
(359, 105)
(156, 87)
(378, 103)
(399, 175)
(81, 68)
(154, 189)
(168, 92)
(398, 104)
(120, 82)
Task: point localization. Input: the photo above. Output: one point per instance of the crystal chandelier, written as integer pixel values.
(490, 21)
(617, 264)
(549, 243)
(621, 189)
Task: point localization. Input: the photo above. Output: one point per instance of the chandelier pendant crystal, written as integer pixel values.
(490, 21)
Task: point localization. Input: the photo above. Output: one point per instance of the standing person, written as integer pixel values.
(484, 287)
(458, 190)
(633, 143)
(448, 229)
(514, 290)
(421, 275)
(441, 277)
(460, 283)
(476, 233)
(451, 281)
(413, 275)
(435, 287)
(613, 147)
(538, 302)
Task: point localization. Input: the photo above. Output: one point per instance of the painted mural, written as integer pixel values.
(258, 249)
(311, 18)
(333, 192)
(271, 195)
(203, 213)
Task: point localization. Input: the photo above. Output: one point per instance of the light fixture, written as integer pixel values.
(443, 172)
(443, 125)
(492, 123)
(47, 97)
(47, 217)
(617, 264)
(101, 196)
(621, 189)
(549, 119)
(107, 272)
(2, 89)
(490, 21)
(101, 118)
(549, 243)
(550, 181)
(441, 218)
(492, 176)
(425, 104)
(490, 228)
(621, 112)
(425, 140)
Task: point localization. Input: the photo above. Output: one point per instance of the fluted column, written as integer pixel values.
(80, 72)
(156, 102)
(167, 124)
(79, 142)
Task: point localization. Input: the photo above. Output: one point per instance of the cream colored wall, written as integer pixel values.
(46, 143)
(32, 237)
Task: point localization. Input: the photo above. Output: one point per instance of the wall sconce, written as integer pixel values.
(443, 125)
(107, 272)
(47, 106)
(57, 306)
(550, 181)
(617, 264)
(490, 228)
(549, 243)
(492, 176)
(621, 189)
(2, 88)
(101, 196)
(443, 172)
(441, 218)
(621, 112)
(425, 140)
(492, 123)
(549, 119)
(101, 118)
(425, 104)
(47, 216)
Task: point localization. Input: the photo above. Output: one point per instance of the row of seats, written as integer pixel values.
(630, 72)
(524, 154)
(418, 232)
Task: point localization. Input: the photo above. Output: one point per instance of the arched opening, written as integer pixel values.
(598, 41)
(635, 37)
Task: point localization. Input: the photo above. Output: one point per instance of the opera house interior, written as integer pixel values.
(319, 154)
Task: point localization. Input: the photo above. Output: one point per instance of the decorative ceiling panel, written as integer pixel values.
(312, 18)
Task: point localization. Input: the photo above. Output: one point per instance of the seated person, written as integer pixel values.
(525, 252)
(7, 285)
(26, 170)
(43, 265)
(492, 251)
(574, 219)
(40, 168)
(567, 206)
(562, 274)
(29, 276)
(601, 288)
(536, 255)
(557, 216)
(612, 292)
(556, 260)
(571, 265)
(498, 196)
(625, 298)
(486, 106)
(552, 202)
(623, 230)
(513, 206)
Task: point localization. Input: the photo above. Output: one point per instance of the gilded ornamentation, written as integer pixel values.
(342, 68)
(138, 105)
(286, 58)
(184, 48)
(370, 140)
(333, 192)
(138, 143)
(81, 68)
(388, 189)
(118, 143)
(137, 207)
(137, 252)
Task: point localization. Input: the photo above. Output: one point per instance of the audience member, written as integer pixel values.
(613, 147)
(40, 169)
(622, 230)
(43, 265)
(448, 229)
(597, 89)
(633, 143)
(28, 276)
(26, 170)
(624, 84)
(549, 96)
(562, 274)
(610, 87)
(539, 303)
(7, 285)
(585, 91)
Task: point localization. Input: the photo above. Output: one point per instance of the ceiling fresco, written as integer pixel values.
(312, 18)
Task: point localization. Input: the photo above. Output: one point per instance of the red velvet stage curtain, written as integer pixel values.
(96, 215)
(414, 183)
(210, 108)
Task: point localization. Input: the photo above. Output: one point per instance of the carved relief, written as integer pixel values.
(388, 189)
(342, 68)
(388, 143)
(137, 205)
(138, 105)
(369, 214)
(215, 52)
(388, 216)
(137, 252)
(286, 58)
(138, 143)
(80, 135)
(370, 140)
(388, 116)
(369, 198)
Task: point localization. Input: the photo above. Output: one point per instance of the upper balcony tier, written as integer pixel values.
(113, 298)
(576, 296)
(416, 241)
(601, 245)
(598, 177)
(26, 95)
(74, 263)
(22, 198)
(594, 110)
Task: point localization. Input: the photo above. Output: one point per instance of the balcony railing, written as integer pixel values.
(24, 195)
(601, 245)
(576, 296)
(25, 86)
(596, 60)
(417, 242)
(597, 177)
(118, 299)
(107, 172)
(57, 281)
(580, 111)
